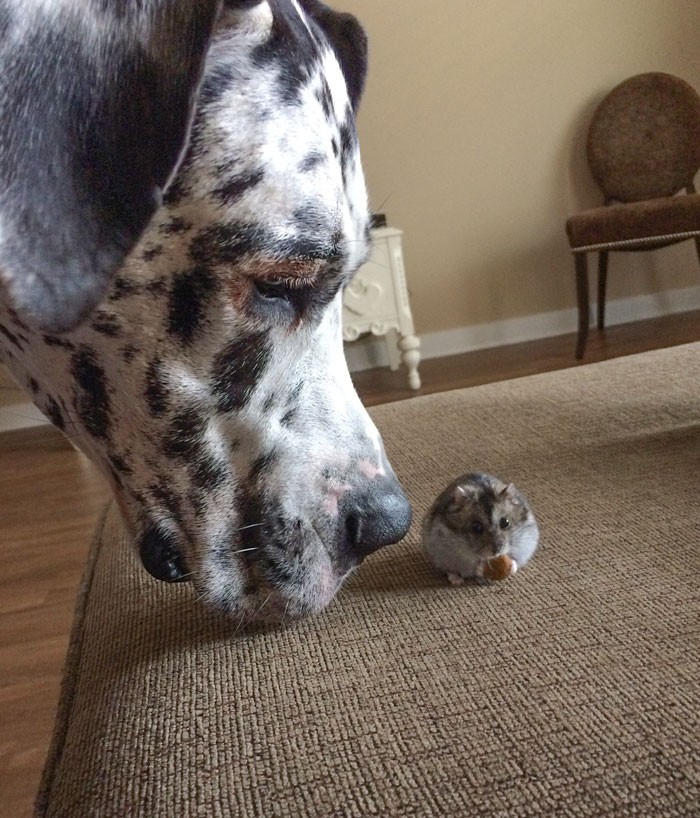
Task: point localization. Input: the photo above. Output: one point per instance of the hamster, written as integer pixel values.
(476, 518)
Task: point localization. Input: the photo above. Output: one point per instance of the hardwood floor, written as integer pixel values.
(502, 363)
(50, 497)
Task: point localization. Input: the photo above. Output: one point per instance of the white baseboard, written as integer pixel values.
(20, 416)
(370, 352)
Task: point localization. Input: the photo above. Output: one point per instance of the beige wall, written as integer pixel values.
(472, 131)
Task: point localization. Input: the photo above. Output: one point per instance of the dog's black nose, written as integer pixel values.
(378, 517)
(160, 556)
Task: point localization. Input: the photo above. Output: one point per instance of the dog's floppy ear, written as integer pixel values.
(349, 42)
(96, 101)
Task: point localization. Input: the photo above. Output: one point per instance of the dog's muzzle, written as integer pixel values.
(367, 521)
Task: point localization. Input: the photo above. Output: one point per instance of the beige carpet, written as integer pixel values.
(572, 689)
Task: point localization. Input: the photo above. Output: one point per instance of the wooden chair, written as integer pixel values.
(643, 150)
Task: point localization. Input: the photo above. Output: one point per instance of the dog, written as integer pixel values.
(179, 316)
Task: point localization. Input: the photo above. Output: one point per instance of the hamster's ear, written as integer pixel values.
(510, 492)
(95, 116)
(458, 498)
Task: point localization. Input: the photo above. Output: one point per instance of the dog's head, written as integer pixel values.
(210, 383)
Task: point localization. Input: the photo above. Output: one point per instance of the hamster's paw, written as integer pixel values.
(455, 579)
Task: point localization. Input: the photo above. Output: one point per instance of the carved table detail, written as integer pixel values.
(376, 302)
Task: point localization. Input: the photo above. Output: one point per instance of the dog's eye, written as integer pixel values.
(272, 290)
(285, 298)
(477, 527)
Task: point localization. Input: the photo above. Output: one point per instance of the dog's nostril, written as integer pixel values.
(160, 556)
(352, 529)
(378, 518)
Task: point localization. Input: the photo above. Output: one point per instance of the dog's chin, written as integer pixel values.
(241, 597)
(268, 605)
(263, 583)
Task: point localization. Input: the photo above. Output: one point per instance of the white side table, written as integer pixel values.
(376, 301)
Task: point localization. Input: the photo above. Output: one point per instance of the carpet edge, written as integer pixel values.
(69, 675)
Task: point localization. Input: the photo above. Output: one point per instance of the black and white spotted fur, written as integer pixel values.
(209, 383)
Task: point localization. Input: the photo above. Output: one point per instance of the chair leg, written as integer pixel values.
(581, 262)
(697, 246)
(602, 285)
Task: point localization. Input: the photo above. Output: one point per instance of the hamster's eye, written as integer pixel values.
(477, 527)
(504, 523)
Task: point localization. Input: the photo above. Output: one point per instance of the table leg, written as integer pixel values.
(410, 352)
(392, 349)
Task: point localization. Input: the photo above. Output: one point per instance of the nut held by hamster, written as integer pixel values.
(479, 527)
(499, 567)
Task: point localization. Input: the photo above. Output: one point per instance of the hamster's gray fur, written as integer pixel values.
(478, 517)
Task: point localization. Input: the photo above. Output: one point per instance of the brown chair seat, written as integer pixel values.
(635, 224)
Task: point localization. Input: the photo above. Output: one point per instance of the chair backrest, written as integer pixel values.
(644, 139)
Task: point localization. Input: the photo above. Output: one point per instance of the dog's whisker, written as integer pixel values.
(241, 621)
(72, 437)
(70, 419)
(252, 525)
(378, 209)
(23, 416)
(266, 600)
